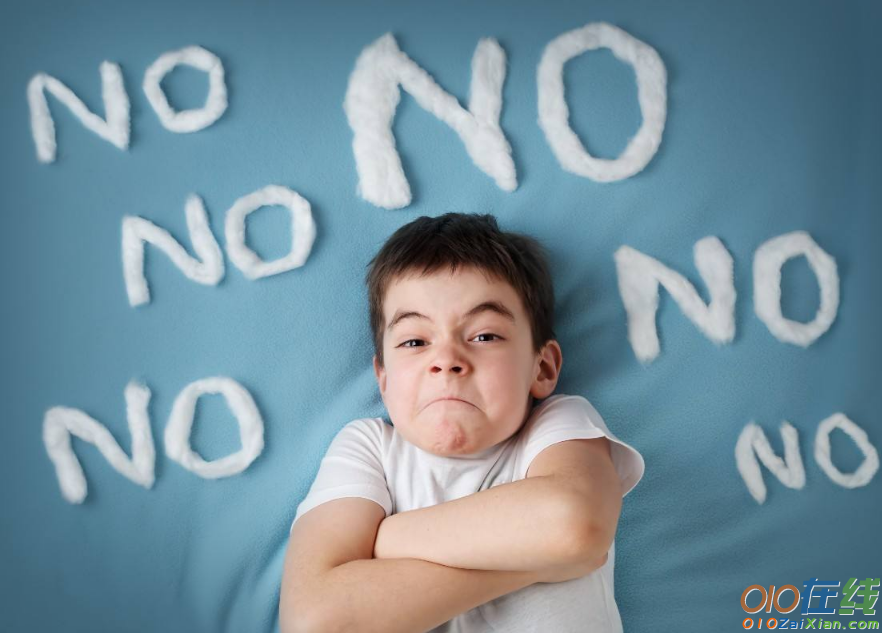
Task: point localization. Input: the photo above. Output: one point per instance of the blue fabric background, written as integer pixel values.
(773, 126)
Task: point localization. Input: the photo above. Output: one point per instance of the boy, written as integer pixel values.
(477, 509)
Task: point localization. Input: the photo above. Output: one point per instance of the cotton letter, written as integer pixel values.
(136, 231)
(868, 468)
(752, 443)
(554, 113)
(767, 263)
(180, 424)
(372, 97)
(197, 118)
(639, 276)
(60, 423)
(116, 108)
(302, 238)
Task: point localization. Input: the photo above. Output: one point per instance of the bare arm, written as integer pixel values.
(405, 595)
(528, 527)
(523, 525)
(330, 583)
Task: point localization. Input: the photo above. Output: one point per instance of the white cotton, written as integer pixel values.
(373, 95)
(180, 424)
(60, 423)
(302, 234)
(196, 118)
(752, 443)
(115, 128)
(867, 469)
(554, 113)
(767, 263)
(640, 275)
(136, 231)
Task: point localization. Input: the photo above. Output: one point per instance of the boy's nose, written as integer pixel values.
(455, 368)
(449, 358)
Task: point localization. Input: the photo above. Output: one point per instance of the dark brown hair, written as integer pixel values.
(429, 244)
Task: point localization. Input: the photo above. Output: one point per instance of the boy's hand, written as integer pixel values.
(562, 573)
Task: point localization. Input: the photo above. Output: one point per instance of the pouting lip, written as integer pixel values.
(447, 398)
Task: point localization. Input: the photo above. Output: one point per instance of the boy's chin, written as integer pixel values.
(443, 437)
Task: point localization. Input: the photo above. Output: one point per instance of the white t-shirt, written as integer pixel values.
(369, 459)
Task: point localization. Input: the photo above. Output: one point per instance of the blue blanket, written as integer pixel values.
(771, 127)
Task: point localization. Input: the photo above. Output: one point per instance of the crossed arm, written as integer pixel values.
(434, 563)
(566, 509)
(525, 525)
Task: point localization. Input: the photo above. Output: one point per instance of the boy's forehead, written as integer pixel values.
(408, 291)
(470, 278)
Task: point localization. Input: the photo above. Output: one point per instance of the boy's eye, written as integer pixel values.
(488, 334)
(417, 340)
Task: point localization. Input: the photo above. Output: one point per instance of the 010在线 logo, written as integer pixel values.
(857, 595)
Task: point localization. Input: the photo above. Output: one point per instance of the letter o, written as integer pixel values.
(197, 118)
(781, 590)
(747, 592)
(554, 113)
(767, 262)
(180, 424)
(303, 231)
(868, 467)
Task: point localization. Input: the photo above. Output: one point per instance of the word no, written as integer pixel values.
(373, 94)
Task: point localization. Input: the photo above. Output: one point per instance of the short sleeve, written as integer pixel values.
(352, 467)
(569, 417)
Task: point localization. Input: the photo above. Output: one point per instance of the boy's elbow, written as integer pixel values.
(290, 621)
(299, 621)
(592, 536)
(297, 614)
(597, 541)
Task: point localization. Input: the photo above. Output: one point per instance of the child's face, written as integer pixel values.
(451, 354)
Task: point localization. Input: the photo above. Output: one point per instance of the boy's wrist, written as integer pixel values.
(389, 544)
(381, 539)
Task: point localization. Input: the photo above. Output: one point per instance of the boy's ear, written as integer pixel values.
(380, 373)
(548, 365)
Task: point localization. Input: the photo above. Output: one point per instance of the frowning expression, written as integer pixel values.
(459, 361)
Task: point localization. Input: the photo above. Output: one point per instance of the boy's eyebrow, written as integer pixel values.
(491, 306)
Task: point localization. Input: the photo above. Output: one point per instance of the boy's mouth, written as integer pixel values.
(448, 399)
